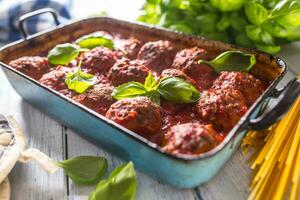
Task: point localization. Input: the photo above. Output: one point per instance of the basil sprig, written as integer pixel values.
(172, 89)
(79, 80)
(120, 185)
(85, 169)
(94, 40)
(62, 54)
(232, 61)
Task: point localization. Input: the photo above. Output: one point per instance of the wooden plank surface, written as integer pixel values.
(148, 188)
(28, 181)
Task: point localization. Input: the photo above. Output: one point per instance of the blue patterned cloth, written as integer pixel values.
(11, 10)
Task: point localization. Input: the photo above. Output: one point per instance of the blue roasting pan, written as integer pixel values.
(179, 171)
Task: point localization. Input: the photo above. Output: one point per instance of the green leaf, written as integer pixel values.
(256, 13)
(181, 27)
(154, 96)
(178, 90)
(237, 21)
(227, 5)
(243, 40)
(232, 61)
(268, 49)
(62, 54)
(276, 29)
(150, 82)
(129, 90)
(259, 35)
(207, 21)
(85, 170)
(293, 33)
(224, 23)
(120, 185)
(94, 40)
(80, 81)
(287, 12)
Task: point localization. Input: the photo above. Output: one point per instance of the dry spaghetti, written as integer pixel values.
(277, 164)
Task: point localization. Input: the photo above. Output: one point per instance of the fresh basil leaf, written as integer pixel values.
(259, 35)
(276, 29)
(256, 13)
(285, 7)
(232, 61)
(150, 82)
(237, 21)
(268, 49)
(181, 27)
(120, 185)
(85, 170)
(243, 40)
(227, 5)
(79, 80)
(293, 33)
(224, 23)
(154, 96)
(62, 54)
(94, 40)
(129, 90)
(178, 90)
(287, 12)
(207, 20)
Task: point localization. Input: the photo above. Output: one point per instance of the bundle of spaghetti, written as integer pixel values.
(277, 164)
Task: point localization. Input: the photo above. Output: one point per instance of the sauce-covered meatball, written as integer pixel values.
(138, 114)
(187, 61)
(97, 98)
(34, 66)
(157, 55)
(223, 108)
(125, 70)
(190, 138)
(128, 48)
(176, 73)
(247, 84)
(55, 79)
(98, 60)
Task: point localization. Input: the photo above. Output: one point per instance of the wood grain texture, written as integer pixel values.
(147, 189)
(28, 181)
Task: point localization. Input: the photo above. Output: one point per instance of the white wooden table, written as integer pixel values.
(29, 182)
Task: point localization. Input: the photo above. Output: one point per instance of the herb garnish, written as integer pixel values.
(172, 89)
(232, 61)
(79, 80)
(62, 54)
(264, 24)
(85, 169)
(94, 40)
(120, 185)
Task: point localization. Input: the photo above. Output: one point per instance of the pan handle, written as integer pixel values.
(286, 97)
(29, 15)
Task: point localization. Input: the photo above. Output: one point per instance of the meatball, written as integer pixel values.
(187, 61)
(98, 60)
(157, 55)
(138, 114)
(97, 98)
(190, 138)
(176, 73)
(223, 108)
(55, 79)
(247, 84)
(125, 70)
(34, 66)
(128, 48)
